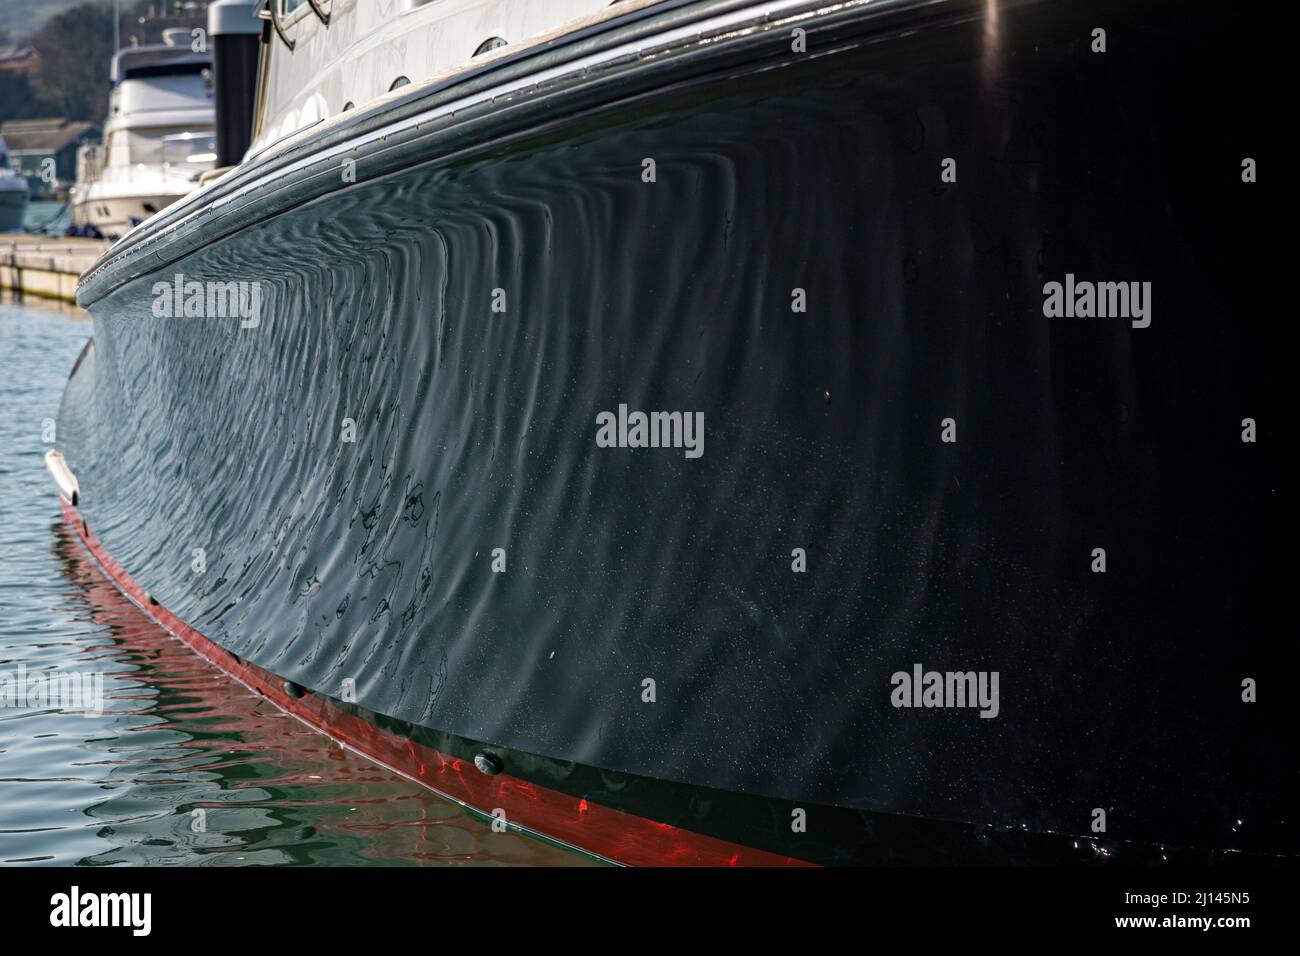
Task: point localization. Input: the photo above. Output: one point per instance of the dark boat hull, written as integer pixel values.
(367, 571)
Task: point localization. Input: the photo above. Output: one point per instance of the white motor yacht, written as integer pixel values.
(159, 137)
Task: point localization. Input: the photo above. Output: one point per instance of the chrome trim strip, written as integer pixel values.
(283, 139)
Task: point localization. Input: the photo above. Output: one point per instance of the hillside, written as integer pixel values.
(21, 18)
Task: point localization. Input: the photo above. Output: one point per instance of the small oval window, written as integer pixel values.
(492, 43)
(399, 83)
(347, 106)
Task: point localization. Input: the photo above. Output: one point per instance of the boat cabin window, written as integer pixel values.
(399, 82)
(287, 7)
(492, 43)
(162, 147)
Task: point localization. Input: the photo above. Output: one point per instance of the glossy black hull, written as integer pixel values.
(813, 179)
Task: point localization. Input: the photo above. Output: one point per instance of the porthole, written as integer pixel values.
(399, 83)
(492, 43)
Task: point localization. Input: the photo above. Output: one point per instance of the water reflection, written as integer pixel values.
(186, 766)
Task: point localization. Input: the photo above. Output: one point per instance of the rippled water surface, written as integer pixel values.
(176, 737)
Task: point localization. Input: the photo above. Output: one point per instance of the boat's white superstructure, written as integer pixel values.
(158, 138)
(326, 57)
(13, 194)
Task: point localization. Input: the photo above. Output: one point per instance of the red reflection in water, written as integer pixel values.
(331, 794)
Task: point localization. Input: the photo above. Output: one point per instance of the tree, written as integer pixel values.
(76, 48)
(17, 99)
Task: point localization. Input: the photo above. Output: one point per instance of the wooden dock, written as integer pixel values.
(38, 265)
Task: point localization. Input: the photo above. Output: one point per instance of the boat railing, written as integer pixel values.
(142, 172)
(90, 162)
(183, 155)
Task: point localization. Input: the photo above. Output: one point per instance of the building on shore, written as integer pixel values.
(19, 58)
